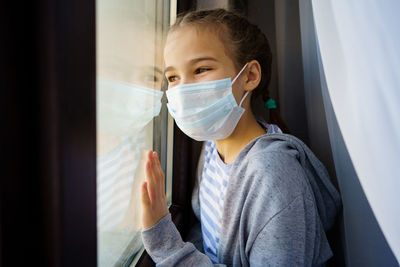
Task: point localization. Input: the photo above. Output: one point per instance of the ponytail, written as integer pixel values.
(274, 116)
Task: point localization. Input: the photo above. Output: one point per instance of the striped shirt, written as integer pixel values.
(115, 175)
(213, 186)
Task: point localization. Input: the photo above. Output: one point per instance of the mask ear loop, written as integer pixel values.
(240, 72)
(237, 76)
(244, 97)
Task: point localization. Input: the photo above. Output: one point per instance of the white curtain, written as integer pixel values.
(359, 43)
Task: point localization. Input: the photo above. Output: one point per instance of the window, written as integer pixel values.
(131, 118)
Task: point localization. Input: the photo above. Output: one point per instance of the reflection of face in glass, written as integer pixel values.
(127, 53)
(124, 108)
(127, 48)
(128, 97)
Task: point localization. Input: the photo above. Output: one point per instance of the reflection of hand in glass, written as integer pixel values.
(154, 201)
(123, 111)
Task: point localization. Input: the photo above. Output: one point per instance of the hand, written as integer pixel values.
(154, 201)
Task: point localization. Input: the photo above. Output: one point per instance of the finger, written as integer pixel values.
(149, 154)
(158, 174)
(150, 181)
(149, 173)
(154, 170)
(149, 167)
(162, 175)
(145, 195)
(157, 167)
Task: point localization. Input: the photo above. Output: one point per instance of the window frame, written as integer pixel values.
(182, 166)
(162, 126)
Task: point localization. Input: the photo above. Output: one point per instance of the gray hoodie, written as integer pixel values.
(278, 204)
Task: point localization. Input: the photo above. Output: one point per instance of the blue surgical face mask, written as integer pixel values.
(206, 110)
(123, 109)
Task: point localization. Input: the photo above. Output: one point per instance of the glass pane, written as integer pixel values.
(129, 42)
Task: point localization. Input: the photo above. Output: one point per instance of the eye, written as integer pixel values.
(172, 78)
(201, 70)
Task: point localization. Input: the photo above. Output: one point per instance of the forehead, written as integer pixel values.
(188, 42)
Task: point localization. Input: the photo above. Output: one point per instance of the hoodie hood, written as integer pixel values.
(326, 197)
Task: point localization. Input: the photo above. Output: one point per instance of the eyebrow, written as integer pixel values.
(192, 61)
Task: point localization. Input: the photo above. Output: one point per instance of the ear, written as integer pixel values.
(252, 75)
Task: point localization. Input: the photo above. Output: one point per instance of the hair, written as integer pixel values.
(244, 42)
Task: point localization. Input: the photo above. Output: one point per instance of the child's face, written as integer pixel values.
(195, 55)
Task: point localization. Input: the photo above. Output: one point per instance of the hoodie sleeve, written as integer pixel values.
(289, 238)
(165, 246)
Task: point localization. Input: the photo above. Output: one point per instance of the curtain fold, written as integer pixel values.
(359, 47)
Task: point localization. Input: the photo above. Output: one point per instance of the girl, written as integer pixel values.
(262, 198)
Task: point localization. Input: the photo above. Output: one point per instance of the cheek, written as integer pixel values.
(213, 76)
(237, 90)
